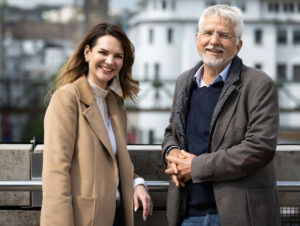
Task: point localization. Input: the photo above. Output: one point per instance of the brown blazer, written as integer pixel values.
(79, 167)
(242, 144)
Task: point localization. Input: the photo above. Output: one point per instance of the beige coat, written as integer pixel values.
(79, 167)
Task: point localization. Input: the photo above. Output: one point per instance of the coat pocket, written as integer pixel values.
(83, 211)
(263, 207)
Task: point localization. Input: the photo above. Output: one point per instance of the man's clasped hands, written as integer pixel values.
(179, 166)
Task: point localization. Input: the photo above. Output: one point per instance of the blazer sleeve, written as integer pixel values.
(170, 133)
(257, 147)
(60, 126)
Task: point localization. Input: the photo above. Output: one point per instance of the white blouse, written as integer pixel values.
(100, 95)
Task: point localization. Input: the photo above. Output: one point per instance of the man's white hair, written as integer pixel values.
(231, 13)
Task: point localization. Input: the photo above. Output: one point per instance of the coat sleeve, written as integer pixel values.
(257, 147)
(60, 126)
(170, 134)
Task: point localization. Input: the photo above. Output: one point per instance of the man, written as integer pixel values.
(222, 134)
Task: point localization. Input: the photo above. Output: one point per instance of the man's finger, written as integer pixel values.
(172, 159)
(181, 183)
(175, 180)
(174, 167)
(185, 154)
(169, 171)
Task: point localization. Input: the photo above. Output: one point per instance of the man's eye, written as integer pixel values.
(225, 36)
(207, 33)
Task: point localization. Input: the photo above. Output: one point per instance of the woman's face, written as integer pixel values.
(105, 60)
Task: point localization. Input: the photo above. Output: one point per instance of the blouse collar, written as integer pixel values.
(98, 91)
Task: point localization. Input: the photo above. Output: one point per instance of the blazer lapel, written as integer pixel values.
(92, 113)
(95, 120)
(230, 89)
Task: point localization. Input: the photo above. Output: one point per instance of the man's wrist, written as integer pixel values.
(168, 151)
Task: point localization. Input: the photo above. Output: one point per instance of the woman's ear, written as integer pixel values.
(87, 52)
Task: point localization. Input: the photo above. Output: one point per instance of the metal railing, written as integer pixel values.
(289, 214)
(153, 186)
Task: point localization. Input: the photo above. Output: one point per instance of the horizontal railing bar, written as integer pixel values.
(157, 186)
(291, 186)
(153, 186)
(27, 185)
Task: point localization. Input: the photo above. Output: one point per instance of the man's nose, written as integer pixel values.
(214, 39)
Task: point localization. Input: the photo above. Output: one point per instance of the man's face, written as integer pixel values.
(216, 42)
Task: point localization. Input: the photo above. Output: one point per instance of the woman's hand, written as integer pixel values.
(141, 194)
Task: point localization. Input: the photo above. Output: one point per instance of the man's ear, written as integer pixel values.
(239, 46)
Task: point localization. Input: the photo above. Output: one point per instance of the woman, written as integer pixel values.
(88, 176)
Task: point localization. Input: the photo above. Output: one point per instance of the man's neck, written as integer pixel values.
(210, 73)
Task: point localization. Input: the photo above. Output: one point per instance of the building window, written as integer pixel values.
(258, 36)
(163, 4)
(298, 7)
(170, 35)
(154, 4)
(288, 7)
(151, 36)
(273, 7)
(296, 73)
(281, 72)
(281, 36)
(296, 37)
(156, 71)
(258, 66)
(146, 71)
(174, 4)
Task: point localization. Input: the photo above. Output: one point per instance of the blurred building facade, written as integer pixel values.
(163, 33)
(36, 43)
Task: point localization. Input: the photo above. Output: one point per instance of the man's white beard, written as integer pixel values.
(213, 61)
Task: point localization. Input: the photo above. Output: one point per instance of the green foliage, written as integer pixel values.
(34, 128)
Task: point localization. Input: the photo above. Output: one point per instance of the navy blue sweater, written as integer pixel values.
(203, 100)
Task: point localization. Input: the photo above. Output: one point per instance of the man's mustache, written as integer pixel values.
(210, 47)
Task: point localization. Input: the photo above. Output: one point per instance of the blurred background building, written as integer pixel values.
(164, 32)
(36, 41)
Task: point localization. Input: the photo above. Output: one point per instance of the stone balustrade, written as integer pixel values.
(23, 162)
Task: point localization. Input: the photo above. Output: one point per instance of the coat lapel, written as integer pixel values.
(91, 112)
(231, 87)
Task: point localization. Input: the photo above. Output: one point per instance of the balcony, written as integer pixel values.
(20, 182)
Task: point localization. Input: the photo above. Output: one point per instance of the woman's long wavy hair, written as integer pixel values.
(77, 66)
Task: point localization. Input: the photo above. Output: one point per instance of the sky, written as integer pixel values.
(129, 4)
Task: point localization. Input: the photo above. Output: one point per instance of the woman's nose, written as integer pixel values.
(109, 59)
